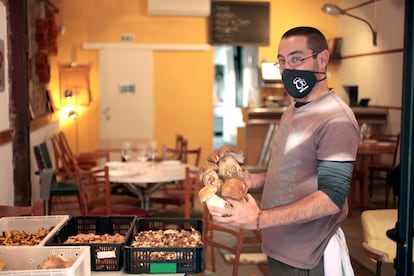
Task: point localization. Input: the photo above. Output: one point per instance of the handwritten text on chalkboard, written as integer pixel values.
(239, 23)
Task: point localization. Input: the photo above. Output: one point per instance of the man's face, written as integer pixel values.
(295, 54)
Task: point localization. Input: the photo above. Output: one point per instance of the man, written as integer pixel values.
(310, 167)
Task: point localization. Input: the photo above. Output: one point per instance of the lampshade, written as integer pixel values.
(332, 9)
(72, 115)
(68, 94)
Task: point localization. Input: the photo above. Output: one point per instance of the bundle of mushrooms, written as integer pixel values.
(222, 176)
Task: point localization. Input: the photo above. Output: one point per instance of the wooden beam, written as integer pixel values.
(19, 100)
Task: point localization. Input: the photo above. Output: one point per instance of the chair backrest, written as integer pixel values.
(393, 139)
(179, 140)
(63, 162)
(182, 152)
(192, 185)
(94, 189)
(193, 154)
(14, 211)
(42, 156)
(65, 144)
(209, 228)
(169, 153)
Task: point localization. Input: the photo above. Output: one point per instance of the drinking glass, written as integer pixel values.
(366, 131)
(126, 151)
(142, 154)
(153, 150)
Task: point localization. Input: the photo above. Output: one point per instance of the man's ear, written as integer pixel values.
(324, 58)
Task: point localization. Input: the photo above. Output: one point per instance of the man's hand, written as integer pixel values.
(242, 214)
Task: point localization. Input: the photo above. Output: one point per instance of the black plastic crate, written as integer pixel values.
(104, 256)
(187, 260)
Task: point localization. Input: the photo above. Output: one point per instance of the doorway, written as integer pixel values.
(235, 82)
(126, 92)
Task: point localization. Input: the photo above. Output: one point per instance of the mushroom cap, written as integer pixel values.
(219, 153)
(234, 188)
(206, 192)
(208, 167)
(229, 168)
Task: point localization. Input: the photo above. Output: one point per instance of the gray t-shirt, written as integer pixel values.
(324, 129)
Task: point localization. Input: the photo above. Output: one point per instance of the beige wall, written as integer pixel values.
(378, 74)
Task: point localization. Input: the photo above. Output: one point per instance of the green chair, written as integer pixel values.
(50, 187)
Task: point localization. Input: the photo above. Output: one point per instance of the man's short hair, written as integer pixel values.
(316, 40)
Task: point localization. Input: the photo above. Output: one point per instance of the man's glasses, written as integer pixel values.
(294, 61)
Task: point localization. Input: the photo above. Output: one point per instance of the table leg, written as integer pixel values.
(138, 191)
(365, 159)
(149, 191)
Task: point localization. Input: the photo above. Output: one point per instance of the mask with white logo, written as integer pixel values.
(299, 83)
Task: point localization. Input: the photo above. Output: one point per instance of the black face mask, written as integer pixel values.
(299, 83)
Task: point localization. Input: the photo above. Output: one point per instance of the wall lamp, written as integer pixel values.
(72, 115)
(68, 94)
(332, 9)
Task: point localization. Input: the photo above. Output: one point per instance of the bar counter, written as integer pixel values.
(257, 122)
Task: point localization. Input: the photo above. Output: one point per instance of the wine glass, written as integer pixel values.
(153, 150)
(126, 151)
(142, 153)
(366, 131)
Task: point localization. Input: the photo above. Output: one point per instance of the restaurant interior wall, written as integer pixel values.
(376, 70)
(378, 75)
(183, 81)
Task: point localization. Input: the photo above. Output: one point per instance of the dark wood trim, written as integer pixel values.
(5, 136)
(386, 107)
(19, 100)
(374, 53)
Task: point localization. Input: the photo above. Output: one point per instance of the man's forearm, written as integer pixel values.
(255, 180)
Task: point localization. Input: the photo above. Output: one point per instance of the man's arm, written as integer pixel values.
(254, 180)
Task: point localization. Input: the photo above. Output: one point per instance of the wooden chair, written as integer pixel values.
(174, 193)
(192, 185)
(376, 244)
(169, 153)
(190, 154)
(380, 165)
(181, 152)
(210, 240)
(14, 211)
(64, 157)
(52, 185)
(95, 195)
(63, 161)
(357, 184)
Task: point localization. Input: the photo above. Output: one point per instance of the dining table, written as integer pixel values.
(367, 150)
(144, 178)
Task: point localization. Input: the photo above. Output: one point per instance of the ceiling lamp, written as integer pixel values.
(332, 9)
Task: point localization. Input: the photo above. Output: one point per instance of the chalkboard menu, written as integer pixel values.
(239, 23)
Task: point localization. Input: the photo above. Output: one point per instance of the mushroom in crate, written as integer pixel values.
(222, 176)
